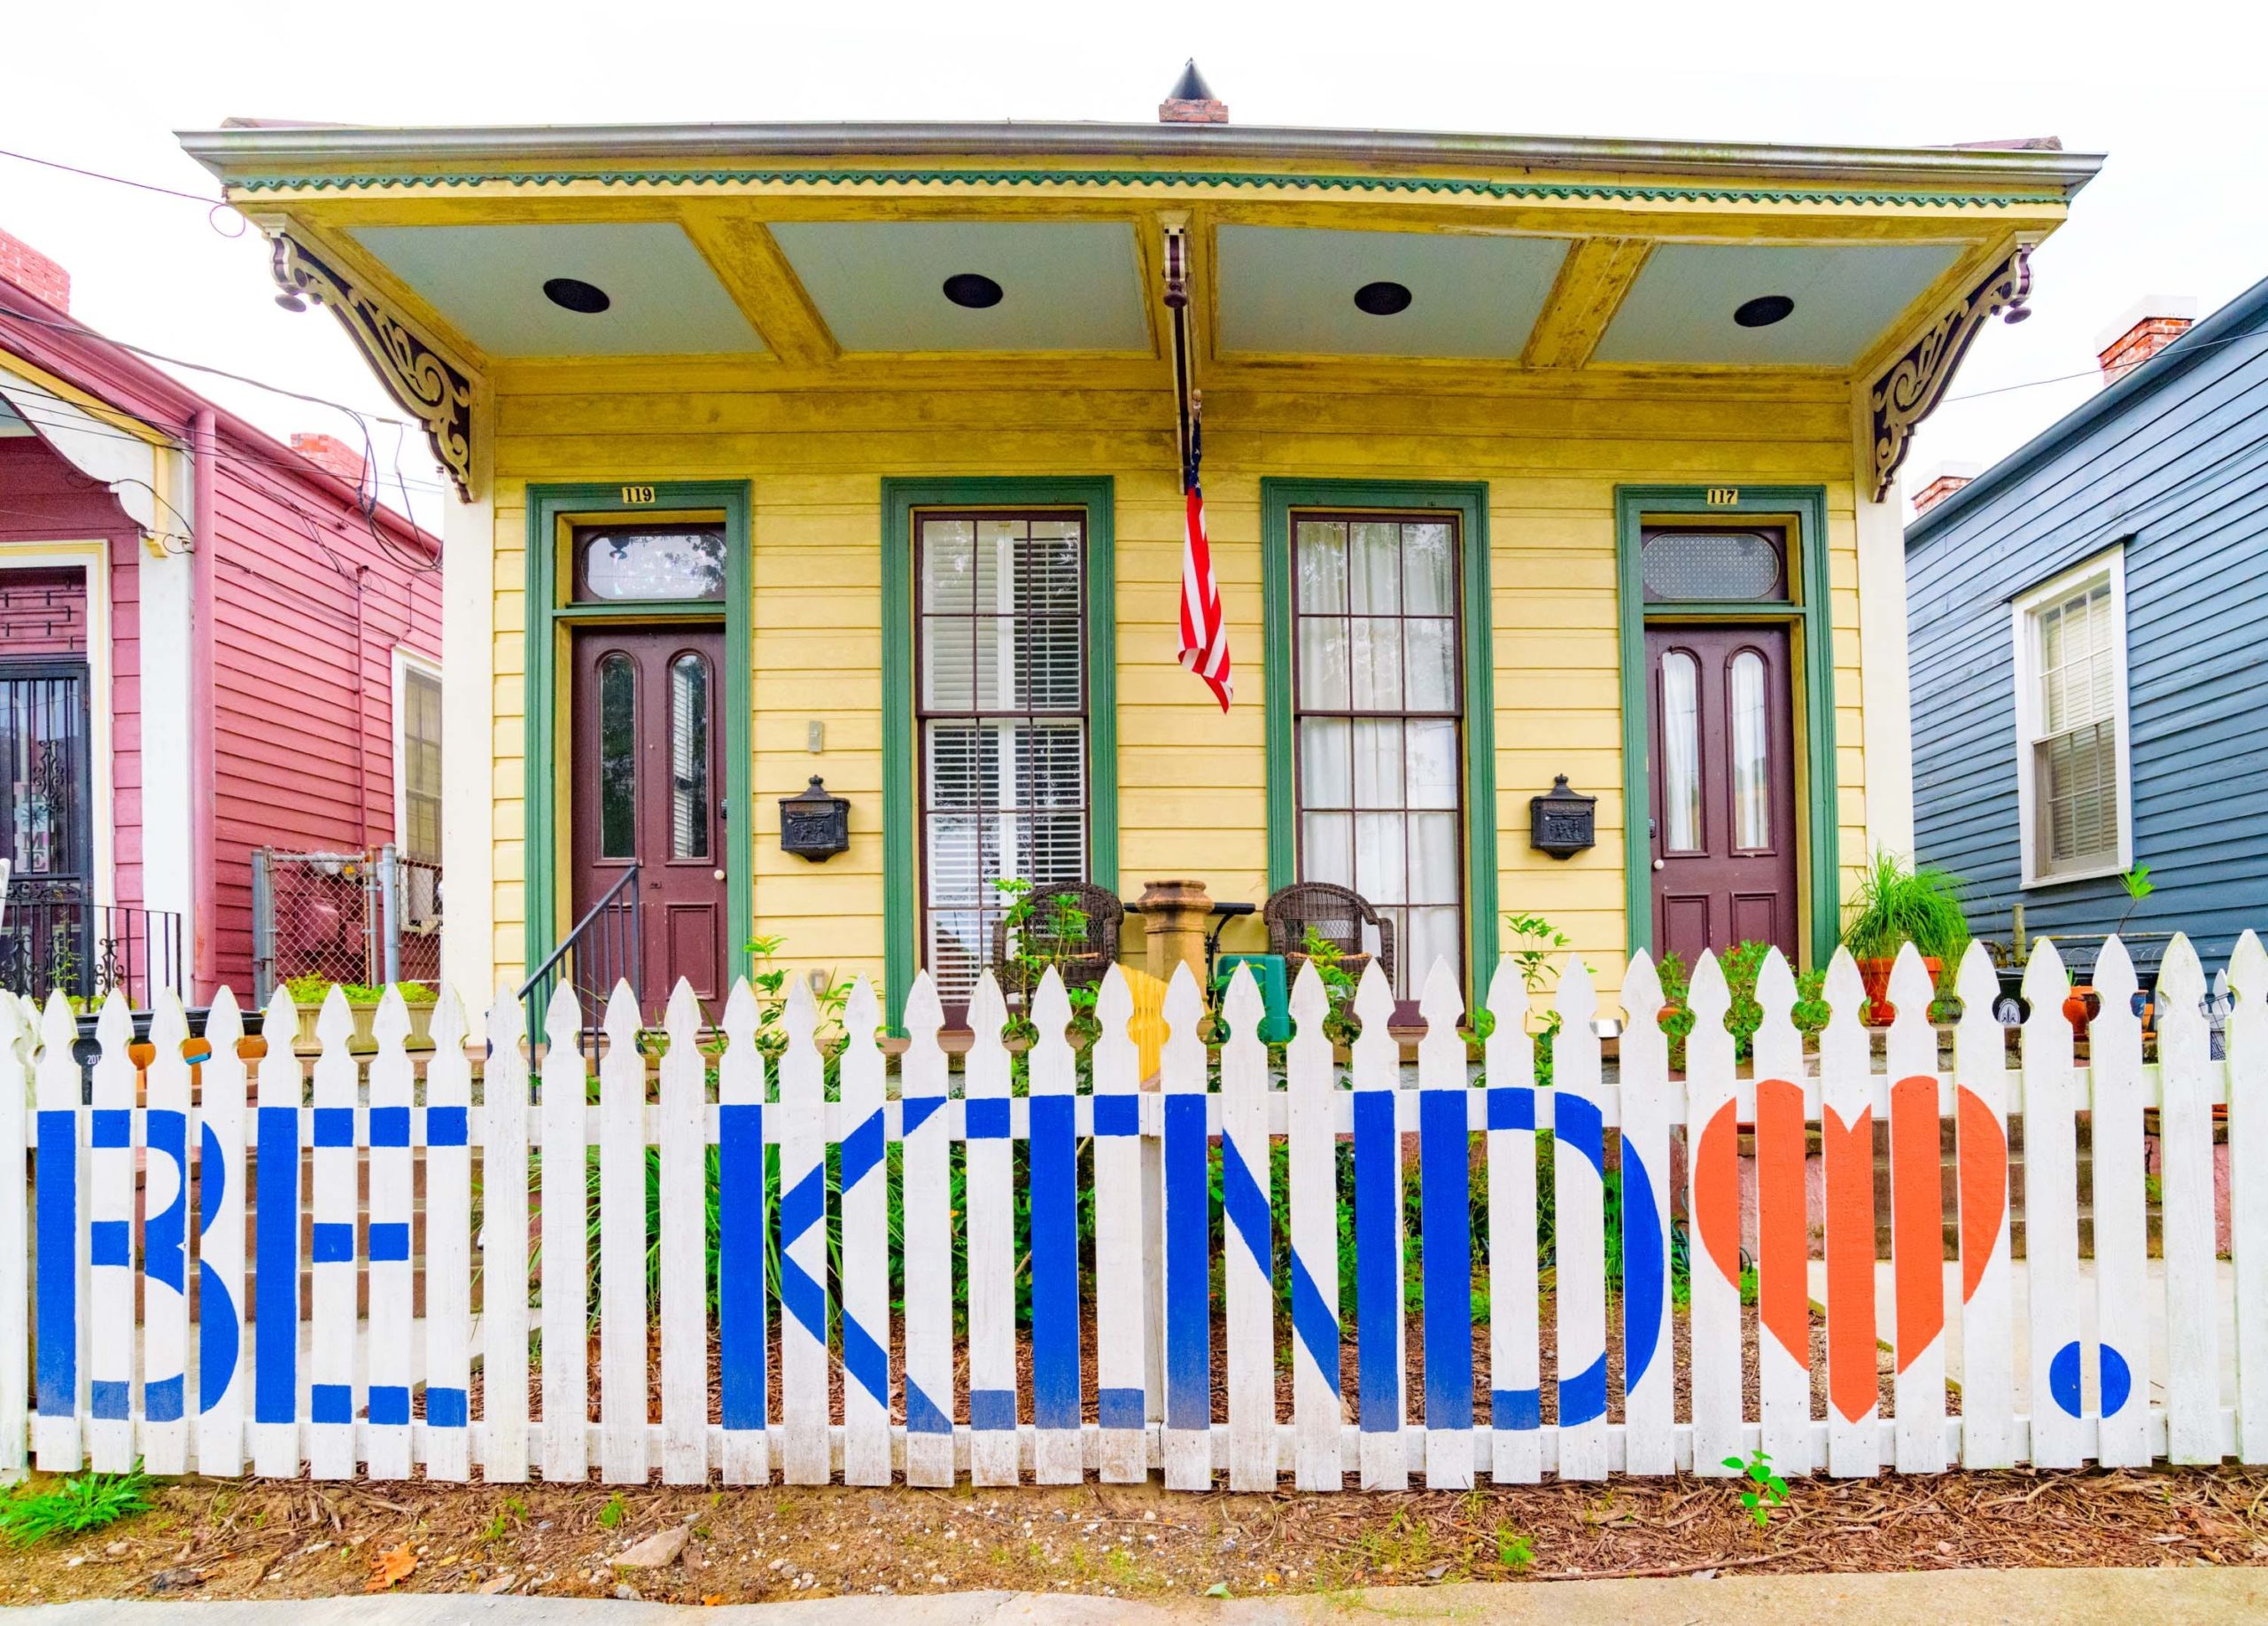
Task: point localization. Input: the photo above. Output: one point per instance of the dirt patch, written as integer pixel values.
(264, 1539)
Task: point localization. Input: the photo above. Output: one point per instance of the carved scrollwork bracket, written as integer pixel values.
(416, 373)
(1909, 391)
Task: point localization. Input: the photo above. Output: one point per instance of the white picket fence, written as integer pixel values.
(104, 1215)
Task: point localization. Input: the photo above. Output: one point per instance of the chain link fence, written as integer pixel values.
(364, 919)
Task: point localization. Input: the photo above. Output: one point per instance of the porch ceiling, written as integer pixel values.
(848, 252)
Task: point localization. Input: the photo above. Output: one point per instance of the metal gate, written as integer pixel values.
(359, 918)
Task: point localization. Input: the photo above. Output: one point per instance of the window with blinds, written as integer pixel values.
(1002, 713)
(419, 751)
(1378, 697)
(2075, 692)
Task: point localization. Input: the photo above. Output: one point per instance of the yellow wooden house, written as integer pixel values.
(851, 451)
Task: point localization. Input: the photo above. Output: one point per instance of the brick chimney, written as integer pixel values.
(1947, 478)
(35, 273)
(2147, 327)
(1191, 101)
(328, 452)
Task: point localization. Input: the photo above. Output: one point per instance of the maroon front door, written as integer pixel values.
(648, 791)
(1722, 781)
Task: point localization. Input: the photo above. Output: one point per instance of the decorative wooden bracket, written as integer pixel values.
(413, 371)
(1910, 390)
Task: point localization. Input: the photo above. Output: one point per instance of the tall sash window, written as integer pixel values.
(1002, 716)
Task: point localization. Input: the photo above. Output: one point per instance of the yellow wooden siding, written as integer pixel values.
(1191, 781)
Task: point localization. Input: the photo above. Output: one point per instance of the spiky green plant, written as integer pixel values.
(74, 1506)
(1898, 903)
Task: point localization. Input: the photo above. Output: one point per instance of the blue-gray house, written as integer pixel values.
(2088, 637)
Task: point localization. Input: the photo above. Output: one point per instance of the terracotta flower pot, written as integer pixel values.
(2080, 1006)
(1875, 974)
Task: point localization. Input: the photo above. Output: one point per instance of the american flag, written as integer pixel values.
(1204, 635)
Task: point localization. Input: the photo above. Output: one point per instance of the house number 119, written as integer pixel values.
(637, 496)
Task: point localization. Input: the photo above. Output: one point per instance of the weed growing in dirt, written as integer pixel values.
(1767, 1492)
(509, 1517)
(612, 1513)
(1514, 1550)
(90, 1501)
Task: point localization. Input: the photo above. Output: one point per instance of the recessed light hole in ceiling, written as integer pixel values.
(1764, 310)
(1382, 299)
(971, 290)
(572, 293)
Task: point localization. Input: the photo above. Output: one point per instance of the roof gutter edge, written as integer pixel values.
(224, 150)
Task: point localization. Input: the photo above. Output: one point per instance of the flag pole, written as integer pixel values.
(1177, 302)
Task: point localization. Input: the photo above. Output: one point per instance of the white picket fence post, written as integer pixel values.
(1987, 1314)
(1515, 1329)
(1785, 1101)
(503, 1244)
(15, 1236)
(1318, 1408)
(141, 1259)
(864, 1310)
(1121, 1322)
(1712, 1174)
(447, 1140)
(393, 1231)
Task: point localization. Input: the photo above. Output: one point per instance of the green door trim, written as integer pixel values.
(1468, 500)
(548, 622)
(1810, 614)
(901, 865)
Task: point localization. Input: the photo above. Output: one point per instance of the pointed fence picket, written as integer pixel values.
(156, 1338)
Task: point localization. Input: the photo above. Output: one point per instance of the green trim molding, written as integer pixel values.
(1809, 614)
(547, 620)
(901, 862)
(1233, 180)
(1468, 501)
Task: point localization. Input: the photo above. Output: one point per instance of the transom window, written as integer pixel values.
(650, 562)
(1378, 702)
(2071, 702)
(1002, 715)
(1711, 566)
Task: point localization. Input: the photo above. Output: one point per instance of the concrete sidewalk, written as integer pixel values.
(2079, 1597)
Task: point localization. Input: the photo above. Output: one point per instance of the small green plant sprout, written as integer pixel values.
(1766, 1490)
(613, 1512)
(1514, 1550)
(90, 1501)
(1534, 940)
(2139, 886)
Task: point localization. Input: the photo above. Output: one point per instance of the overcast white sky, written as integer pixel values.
(2170, 91)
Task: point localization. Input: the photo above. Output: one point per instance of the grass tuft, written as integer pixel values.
(74, 1506)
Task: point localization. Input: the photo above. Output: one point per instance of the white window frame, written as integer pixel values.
(2024, 625)
(405, 662)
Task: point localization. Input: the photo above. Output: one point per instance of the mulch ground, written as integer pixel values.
(267, 1539)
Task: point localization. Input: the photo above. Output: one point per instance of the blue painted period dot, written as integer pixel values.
(2117, 1381)
(2064, 1378)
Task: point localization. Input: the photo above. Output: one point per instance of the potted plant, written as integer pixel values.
(1898, 903)
(2082, 1004)
(308, 993)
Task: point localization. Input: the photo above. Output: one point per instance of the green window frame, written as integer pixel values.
(1807, 610)
(549, 620)
(901, 501)
(1467, 502)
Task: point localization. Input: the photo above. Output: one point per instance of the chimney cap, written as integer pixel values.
(2149, 307)
(1191, 87)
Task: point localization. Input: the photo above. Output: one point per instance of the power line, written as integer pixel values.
(214, 206)
(246, 457)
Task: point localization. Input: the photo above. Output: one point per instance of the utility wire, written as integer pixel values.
(214, 206)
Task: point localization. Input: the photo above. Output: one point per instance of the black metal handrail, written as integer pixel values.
(53, 942)
(606, 946)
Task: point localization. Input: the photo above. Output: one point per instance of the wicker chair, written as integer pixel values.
(1085, 960)
(1336, 914)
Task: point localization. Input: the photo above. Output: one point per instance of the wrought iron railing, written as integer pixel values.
(606, 946)
(52, 941)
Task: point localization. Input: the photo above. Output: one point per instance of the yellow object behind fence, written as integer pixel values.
(1149, 1026)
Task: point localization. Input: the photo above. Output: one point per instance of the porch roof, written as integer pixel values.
(831, 252)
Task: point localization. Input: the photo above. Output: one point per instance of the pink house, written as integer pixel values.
(210, 643)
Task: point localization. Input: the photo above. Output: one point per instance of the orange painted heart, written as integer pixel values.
(1716, 1190)
(1848, 1153)
(1917, 1217)
(1984, 1189)
(1782, 1227)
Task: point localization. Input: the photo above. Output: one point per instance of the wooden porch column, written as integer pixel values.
(1175, 915)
